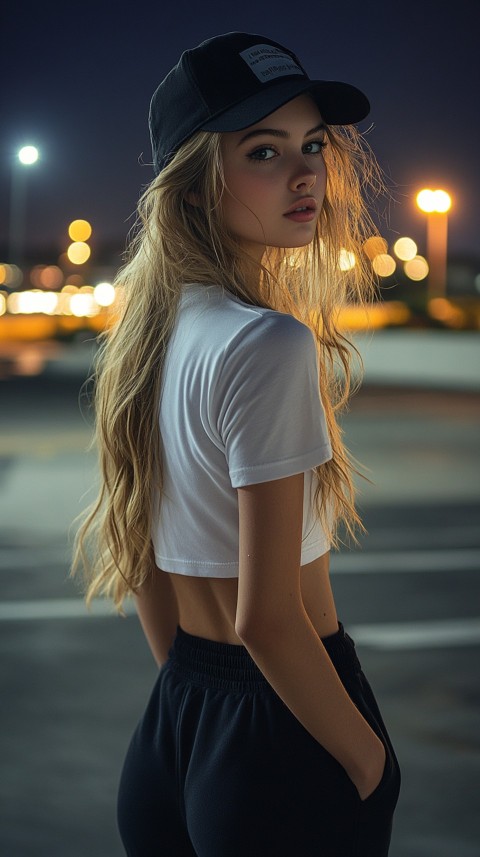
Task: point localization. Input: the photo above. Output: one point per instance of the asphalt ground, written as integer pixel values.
(74, 684)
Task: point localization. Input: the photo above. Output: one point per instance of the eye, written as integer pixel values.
(314, 147)
(264, 153)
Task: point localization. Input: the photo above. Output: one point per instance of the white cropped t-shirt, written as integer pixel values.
(239, 405)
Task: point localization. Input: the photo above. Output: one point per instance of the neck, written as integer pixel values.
(250, 273)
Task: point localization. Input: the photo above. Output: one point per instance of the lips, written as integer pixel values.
(308, 203)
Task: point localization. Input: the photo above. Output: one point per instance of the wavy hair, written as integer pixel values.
(176, 241)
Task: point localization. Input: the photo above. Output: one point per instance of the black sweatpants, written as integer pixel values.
(219, 767)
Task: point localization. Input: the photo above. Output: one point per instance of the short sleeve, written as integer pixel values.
(269, 413)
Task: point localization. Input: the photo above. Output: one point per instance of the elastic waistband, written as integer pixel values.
(229, 667)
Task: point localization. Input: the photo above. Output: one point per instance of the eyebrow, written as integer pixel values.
(277, 132)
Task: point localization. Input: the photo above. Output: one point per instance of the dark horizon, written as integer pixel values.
(78, 86)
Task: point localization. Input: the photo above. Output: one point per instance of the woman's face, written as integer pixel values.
(275, 178)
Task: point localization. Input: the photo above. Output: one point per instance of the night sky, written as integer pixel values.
(77, 81)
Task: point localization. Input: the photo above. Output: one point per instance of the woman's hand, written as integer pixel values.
(367, 781)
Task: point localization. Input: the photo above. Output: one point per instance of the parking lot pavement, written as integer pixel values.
(434, 359)
(75, 684)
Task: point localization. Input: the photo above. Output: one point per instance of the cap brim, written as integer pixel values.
(339, 103)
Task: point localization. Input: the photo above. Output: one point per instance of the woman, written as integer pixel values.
(225, 478)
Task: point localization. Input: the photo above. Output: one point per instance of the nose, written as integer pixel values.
(303, 178)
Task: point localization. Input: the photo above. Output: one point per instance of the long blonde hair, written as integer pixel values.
(178, 242)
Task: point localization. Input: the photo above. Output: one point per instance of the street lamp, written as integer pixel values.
(25, 157)
(436, 204)
(28, 155)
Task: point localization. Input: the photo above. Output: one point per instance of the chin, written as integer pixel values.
(298, 244)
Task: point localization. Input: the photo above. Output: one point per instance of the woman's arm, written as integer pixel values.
(157, 610)
(272, 623)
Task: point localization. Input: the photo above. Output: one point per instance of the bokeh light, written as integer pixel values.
(426, 200)
(443, 201)
(416, 269)
(80, 230)
(433, 200)
(46, 276)
(75, 280)
(104, 294)
(3, 304)
(375, 246)
(405, 249)
(346, 260)
(33, 301)
(35, 275)
(51, 277)
(10, 275)
(28, 155)
(445, 311)
(78, 252)
(50, 303)
(384, 265)
(83, 304)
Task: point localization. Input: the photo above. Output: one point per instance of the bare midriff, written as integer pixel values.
(207, 605)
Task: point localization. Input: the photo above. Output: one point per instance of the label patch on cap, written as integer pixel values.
(268, 62)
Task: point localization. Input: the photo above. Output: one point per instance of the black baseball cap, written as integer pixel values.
(232, 81)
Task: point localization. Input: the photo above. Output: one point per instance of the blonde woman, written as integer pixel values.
(225, 479)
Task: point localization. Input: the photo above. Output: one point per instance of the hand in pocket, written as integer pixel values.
(375, 776)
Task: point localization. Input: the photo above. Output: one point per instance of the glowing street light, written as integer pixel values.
(434, 200)
(384, 265)
(28, 155)
(80, 230)
(25, 157)
(78, 252)
(405, 249)
(436, 204)
(416, 269)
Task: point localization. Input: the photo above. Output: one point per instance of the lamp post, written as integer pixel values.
(25, 157)
(436, 204)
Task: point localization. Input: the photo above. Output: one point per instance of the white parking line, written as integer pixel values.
(441, 633)
(58, 608)
(431, 633)
(457, 559)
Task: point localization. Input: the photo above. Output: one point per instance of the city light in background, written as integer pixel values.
(55, 293)
(416, 269)
(63, 296)
(435, 204)
(80, 230)
(69, 294)
(405, 249)
(78, 252)
(25, 157)
(28, 155)
(434, 200)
